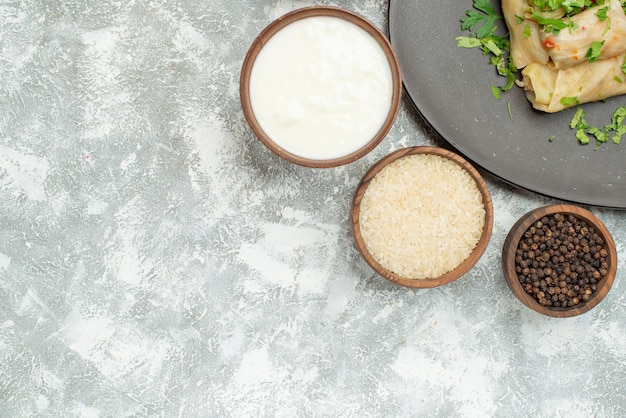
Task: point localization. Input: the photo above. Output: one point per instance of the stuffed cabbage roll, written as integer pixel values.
(524, 35)
(551, 90)
(579, 59)
(570, 45)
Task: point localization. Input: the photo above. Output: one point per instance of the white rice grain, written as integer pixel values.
(421, 216)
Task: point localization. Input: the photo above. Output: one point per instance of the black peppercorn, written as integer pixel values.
(561, 260)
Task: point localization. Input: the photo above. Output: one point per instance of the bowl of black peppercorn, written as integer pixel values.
(559, 260)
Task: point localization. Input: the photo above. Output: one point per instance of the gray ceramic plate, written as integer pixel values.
(451, 89)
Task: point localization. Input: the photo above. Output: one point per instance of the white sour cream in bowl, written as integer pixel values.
(320, 87)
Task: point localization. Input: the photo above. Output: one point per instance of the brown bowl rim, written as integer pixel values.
(462, 268)
(280, 23)
(510, 246)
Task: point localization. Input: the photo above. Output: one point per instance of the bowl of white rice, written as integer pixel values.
(422, 216)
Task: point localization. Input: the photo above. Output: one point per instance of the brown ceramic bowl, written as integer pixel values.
(510, 266)
(461, 268)
(266, 35)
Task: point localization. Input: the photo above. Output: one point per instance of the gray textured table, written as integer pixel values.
(157, 260)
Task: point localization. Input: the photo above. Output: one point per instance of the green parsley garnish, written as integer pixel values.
(602, 13)
(571, 7)
(579, 123)
(617, 124)
(599, 134)
(482, 21)
(593, 53)
(550, 25)
(496, 92)
(569, 101)
(614, 130)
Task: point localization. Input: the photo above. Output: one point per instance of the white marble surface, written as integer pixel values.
(157, 260)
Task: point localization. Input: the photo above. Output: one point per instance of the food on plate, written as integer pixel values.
(525, 44)
(570, 51)
(550, 89)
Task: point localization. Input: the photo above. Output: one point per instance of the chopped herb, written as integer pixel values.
(602, 16)
(593, 53)
(599, 134)
(551, 25)
(495, 90)
(602, 13)
(579, 123)
(467, 42)
(527, 32)
(482, 22)
(582, 136)
(569, 101)
(617, 124)
(618, 117)
(578, 118)
(540, 8)
(617, 135)
(617, 127)
(492, 47)
(505, 69)
(571, 7)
